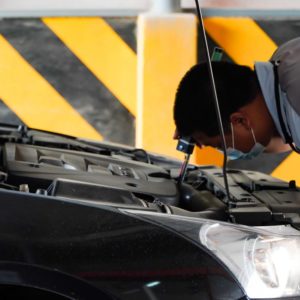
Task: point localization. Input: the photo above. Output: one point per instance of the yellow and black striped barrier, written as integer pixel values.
(115, 78)
(71, 75)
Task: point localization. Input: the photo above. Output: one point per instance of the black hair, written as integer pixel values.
(194, 109)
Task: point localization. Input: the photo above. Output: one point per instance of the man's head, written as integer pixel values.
(240, 100)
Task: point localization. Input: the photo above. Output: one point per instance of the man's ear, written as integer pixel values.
(176, 134)
(240, 119)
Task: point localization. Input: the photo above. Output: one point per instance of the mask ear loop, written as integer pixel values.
(232, 135)
(253, 135)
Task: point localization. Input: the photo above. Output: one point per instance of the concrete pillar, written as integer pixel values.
(167, 48)
(165, 6)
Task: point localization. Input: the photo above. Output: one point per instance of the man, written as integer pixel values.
(260, 109)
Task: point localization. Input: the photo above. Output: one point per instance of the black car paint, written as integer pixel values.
(83, 250)
(71, 233)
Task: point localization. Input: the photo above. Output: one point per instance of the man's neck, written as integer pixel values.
(277, 145)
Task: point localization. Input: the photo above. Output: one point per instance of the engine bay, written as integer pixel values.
(51, 165)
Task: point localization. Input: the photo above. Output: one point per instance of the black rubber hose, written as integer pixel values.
(197, 201)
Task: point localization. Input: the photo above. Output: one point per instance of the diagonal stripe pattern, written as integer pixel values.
(34, 100)
(242, 39)
(98, 41)
(70, 78)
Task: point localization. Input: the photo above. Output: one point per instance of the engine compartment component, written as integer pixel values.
(56, 166)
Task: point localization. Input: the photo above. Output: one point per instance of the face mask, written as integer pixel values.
(233, 153)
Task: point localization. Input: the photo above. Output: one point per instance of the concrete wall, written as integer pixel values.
(79, 76)
(72, 75)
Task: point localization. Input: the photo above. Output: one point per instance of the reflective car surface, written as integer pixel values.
(87, 220)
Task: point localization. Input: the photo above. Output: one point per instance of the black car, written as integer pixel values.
(87, 220)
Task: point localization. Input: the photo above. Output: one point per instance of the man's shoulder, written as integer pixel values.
(287, 56)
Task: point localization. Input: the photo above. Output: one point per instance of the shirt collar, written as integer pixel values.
(265, 75)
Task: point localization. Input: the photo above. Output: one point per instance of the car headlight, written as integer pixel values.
(264, 260)
(266, 264)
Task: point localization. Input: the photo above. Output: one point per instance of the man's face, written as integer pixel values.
(243, 139)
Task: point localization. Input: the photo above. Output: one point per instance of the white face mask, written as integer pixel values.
(233, 153)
